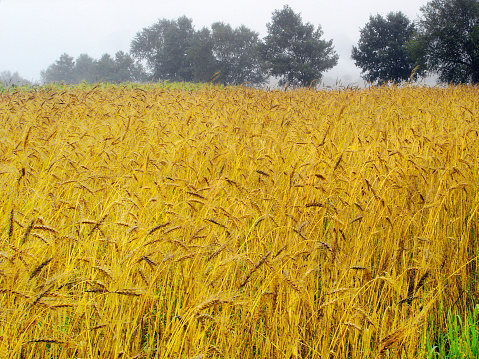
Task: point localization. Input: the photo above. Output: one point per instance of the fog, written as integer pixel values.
(36, 32)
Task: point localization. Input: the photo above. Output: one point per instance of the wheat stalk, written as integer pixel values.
(40, 267)
(254, 269)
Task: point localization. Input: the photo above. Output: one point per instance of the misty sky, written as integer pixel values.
(34, 33)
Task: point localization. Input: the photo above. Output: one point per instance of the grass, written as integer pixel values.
(461, 339)
(160, 222)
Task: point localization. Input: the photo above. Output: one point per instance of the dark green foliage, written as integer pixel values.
(236, 55)
(447, 41)
(382, 51)
(200, 56)
(164, 46)
(174, 51)
(295, 52)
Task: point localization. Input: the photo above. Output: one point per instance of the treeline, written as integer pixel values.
(174, 50)
(7, 79)
(443, 41)
(121, 68)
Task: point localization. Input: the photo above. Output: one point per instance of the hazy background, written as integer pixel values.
(34, 33)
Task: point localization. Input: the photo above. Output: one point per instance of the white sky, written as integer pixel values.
(34, 33)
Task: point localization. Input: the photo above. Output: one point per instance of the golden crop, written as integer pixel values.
(235, 223)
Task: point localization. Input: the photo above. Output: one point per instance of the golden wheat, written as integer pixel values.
(232, 222)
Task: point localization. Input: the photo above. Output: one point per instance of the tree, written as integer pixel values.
(236, 54)
(106, 69)
(8, 79)
(84, 69)
(60, 71)
(164, 46)
(447, 41)
(294, 51)
(122, 68)
(382, 51)
(200, 56)
(127, 69)
(173, 50)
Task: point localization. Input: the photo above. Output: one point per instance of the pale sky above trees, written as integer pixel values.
(36, 32)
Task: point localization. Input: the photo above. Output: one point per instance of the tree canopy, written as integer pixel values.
(164, 46)
(60, 71)
(236, 54)
(84, 70)
(200, 56)
(174, 50)
(382, 52)
(447, 41)
(295, 52)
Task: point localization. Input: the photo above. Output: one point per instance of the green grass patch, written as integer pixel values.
(461, 340)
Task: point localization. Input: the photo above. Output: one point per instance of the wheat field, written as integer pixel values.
(154, 222)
